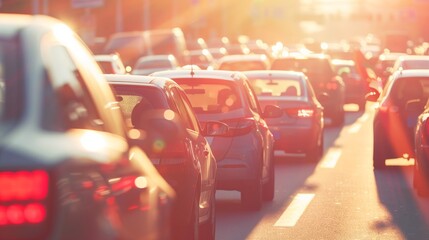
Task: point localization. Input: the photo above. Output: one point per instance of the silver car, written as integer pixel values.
(245, 156)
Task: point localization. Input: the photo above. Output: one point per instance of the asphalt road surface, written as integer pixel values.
(341, 197)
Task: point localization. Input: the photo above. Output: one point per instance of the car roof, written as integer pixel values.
(224, 75)
(411, 73)
(413, 57)
(275, 73)
(142, 80)
(12, 23)
(343, 62)
(106, 57)
(243, 57)
(304, 56)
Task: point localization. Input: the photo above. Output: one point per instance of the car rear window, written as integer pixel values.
(211, 96)
(243, 66)
(277, 87)
(317, 69)
(129, 96)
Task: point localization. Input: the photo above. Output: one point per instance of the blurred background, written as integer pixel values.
(287, 21)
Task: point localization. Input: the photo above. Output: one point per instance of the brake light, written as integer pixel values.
(21, 197)
(23, 185)
(332, 85)
(300, 112)
(241, 126)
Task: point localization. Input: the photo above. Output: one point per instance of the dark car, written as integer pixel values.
(421, 139)
(356, 86)
(300, 130)
(67, 168)
(245, 156)
(180, 152)
(395, 118)
(319, 70)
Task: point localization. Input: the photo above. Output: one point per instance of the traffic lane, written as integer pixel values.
(344, 204)
(234, 222)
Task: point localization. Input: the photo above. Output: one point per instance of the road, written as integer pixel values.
(341, 197)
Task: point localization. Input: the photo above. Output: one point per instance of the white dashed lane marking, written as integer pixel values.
(331, 158)
(294, 211)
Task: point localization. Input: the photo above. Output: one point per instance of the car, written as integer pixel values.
(319, 70)
(241, 62)
(393, 125)
(148, 64)
(132, 45)
(384, 65)
(68, 169)
(411, 62)
(421, 148)
(299, 132)
(245, 157)
(356, 86)
(180, 152)
(202, 58)
(110, 63)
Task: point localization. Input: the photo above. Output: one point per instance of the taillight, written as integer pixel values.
(23, 196)
(332, 85)
(304, 112)
(240, 126)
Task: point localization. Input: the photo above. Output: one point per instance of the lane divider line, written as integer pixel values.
(355, 128)
(294, 211)
(331, 158)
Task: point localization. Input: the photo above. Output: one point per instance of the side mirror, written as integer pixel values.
(215, 129)
(272, 111)
(372, 95)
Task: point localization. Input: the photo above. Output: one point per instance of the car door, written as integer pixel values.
(266, 135)
(199, 145)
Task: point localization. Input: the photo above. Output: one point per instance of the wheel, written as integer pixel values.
(251, 195)
(338, 119)
(208, 229)
(422, 187)
(316, 151)
(190, 231)
(378, 155)
(269, 187)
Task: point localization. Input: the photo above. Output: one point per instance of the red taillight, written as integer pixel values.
(21, 197)
(241, 126)
(332, 85)
(300, 112)
(23, 185)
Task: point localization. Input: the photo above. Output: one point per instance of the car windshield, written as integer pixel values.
(211, 97)
(277, 87)
(310, 66)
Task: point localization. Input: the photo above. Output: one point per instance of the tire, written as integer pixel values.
(422, 187)
(208, 229)
(379, 152)
(191, 230)
(269, 187)
(316, 152)
(251, 195)
(338, 119)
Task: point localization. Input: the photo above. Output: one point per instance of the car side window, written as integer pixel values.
(75, 105)
(183, 112)
(251, 97)
(190, 111)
